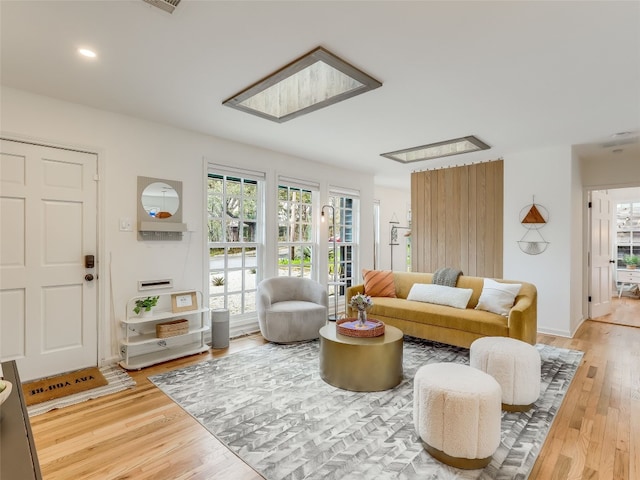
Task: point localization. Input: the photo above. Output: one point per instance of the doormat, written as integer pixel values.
(63, 385)
(118, 380)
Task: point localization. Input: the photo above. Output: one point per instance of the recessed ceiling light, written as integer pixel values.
(85, 52)
(313, 81)
(437, 150)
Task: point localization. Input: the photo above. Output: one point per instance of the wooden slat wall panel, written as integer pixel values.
(499, 206)
(457, 219)
(472, 219)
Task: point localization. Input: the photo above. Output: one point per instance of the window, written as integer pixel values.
(346, 208)
(295, 232)
(235, 236)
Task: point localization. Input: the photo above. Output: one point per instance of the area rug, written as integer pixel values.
(270, 407)
(116, 381)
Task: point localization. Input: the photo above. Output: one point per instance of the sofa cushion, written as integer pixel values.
(379, 283)
(440, 294)
(405, 280)
(465, 319)
(497, 297)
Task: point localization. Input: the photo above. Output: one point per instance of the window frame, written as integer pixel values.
(247, 249)
(299, 214)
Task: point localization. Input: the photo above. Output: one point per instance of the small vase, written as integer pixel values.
(362, 317)
(147, 313)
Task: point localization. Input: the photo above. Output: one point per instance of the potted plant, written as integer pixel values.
(632, 261)
(145, 304)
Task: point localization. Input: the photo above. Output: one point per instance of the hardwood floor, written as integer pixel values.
(626, 311)
(141, 434)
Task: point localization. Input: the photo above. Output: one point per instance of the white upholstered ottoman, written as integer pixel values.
(456, 412)
(514, 364)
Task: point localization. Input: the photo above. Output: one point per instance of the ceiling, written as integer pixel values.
(518, 75)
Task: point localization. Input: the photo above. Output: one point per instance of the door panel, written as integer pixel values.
(12, 326)
(48, 310)
(600, 272)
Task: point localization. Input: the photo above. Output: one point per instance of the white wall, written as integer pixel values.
(545, 174)
(621, 195)
(615, 172)
(128, 147)
(579, 308)
(393, 202)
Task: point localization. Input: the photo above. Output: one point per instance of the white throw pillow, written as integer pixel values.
(440, 294)
(497, 297)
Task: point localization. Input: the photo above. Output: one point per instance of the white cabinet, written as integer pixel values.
(627, 277)
(140, 345)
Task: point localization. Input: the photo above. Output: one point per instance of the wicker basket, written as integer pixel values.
(172, 328)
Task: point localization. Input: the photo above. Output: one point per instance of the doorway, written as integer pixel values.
(48, 243)
(623, 300)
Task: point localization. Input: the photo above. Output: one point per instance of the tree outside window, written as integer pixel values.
(295, 232)
(233, 208)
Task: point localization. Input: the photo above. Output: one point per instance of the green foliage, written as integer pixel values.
(232, 207)
(295, 261)
(631, 259)
(217, 281)
(145, 303)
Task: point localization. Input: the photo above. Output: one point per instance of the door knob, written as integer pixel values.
(88, 277)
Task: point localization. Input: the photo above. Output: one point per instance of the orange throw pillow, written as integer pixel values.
(379, 283)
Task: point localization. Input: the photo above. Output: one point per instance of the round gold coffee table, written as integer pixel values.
(361, 364)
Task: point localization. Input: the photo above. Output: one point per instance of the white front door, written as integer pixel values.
(48, 214)
(600, 286)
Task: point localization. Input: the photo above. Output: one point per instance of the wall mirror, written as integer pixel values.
(160, 200)
(159, 209)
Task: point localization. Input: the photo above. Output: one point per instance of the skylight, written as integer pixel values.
(313, 81)
(437, 150)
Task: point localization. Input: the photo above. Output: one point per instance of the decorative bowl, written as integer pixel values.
(4, 394)
(351, 328)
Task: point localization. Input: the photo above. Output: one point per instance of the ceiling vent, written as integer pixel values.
(167, 5)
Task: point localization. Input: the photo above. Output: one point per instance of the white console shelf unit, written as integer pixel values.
(139, 345)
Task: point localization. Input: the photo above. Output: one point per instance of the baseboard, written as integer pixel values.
(109, 361)
(553, 331)
(582, 320)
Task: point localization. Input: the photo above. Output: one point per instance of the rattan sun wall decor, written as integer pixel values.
(533, 217)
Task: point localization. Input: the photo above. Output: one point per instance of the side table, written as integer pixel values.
(361, 364)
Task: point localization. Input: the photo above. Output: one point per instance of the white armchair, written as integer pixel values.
(291, 309)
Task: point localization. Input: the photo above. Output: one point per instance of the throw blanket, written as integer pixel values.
(446, 276)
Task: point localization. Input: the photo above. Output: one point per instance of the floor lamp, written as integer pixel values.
(336, 283)
(394, 237)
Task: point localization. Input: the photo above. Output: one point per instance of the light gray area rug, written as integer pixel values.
(118, 380)
(270, 406)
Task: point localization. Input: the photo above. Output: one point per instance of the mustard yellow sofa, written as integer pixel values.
(454, 326)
